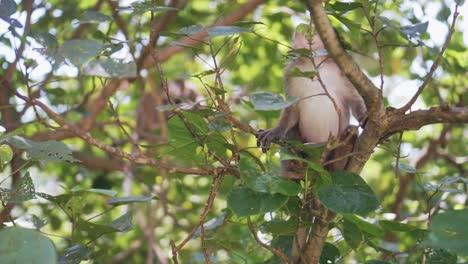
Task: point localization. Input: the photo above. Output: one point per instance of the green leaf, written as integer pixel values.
(296, 72)
(449, 231)
(43, 151)
(183, 144)
(244, 202)
(7, 8)
(414, 31)
(22, 191)
(269, 101)
(110, 68)
(439, 256)
(270, 183)
(124, 223)
(6, 154)
(94, 17)
(147, 6)
(330, 254)
(46, 40)
(106, 192)
(20, 245)
(352, 234)
(377, 261)
(280, 228)
(227, 30)
(59, 199)
(93, 230)
(364, 226)
(405, 167)
(75, 254)
(349, 193)
(190, 30)
(451, 179)
(79, 51)
(129, 199)
(396, 226)
(345, 6)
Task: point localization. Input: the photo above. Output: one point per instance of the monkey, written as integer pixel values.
(325, 101)
(322, 111)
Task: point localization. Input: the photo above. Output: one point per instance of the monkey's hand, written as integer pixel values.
(266, 137)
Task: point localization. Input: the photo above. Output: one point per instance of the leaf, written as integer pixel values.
(280, 228)
(75, 254)
(94, 17)
(296, 72)
(269, 101)
(46, 40)
(6, 154)
(452, 179)
(352, 234)
(396, 226)
(33, 221)
(244, 202)
(79, 51)
(7, 8)
(59, 199)
(106, 192)
(330, 254)
(364, 226)
(345, 6)
(377, 261)
(449, 231)
(110, 68)
(270, 183)
(93, 230)
(22, 191)
(405, 167)
(349, 193)
(190, 30)
(148, 6)
(20, 245)
(129, 199)
(43, 151)
(182, 141)
(124, 223)
(415, 30)
(210, 225)
(227, 30)
(439, 256)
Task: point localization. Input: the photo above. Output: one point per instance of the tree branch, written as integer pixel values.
(165, 53)
(434, 115)
(436, 63)
(364, 85)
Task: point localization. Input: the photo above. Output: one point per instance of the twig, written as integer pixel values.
(434, 66)
(278, 252)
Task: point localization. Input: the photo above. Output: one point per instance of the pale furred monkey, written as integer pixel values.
(315, 117)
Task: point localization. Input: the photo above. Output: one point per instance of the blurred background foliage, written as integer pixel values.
(39, 59)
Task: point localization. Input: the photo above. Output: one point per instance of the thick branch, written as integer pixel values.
(364, 85)
(433, 115)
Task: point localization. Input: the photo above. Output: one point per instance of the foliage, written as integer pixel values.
(130, 134)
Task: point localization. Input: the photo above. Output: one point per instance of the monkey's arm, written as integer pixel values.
(288, 119)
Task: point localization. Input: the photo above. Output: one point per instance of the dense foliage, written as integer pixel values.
(129, 133)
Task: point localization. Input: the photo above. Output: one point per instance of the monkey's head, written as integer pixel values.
(305, 40)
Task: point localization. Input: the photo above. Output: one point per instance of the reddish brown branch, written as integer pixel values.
(273, 250)
(434, 115)
(165, 53)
